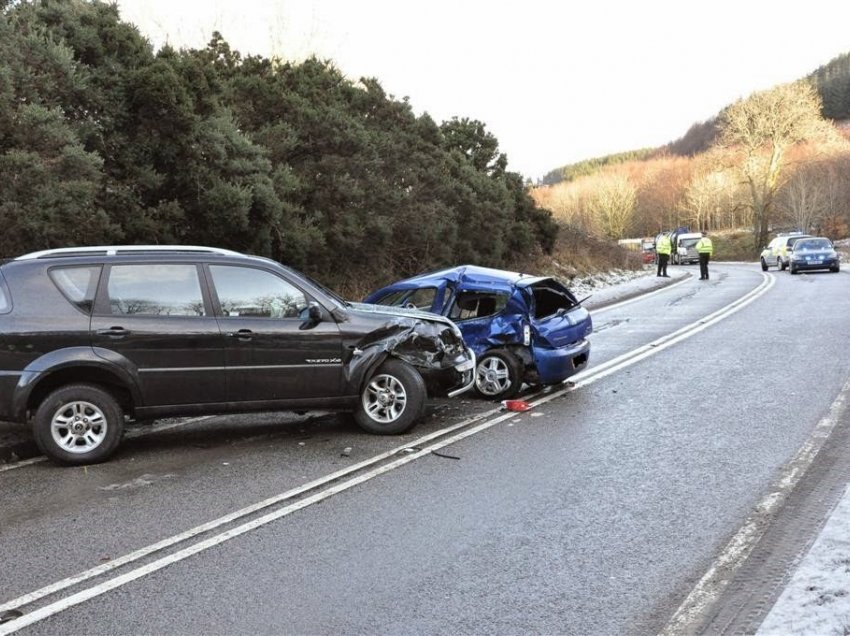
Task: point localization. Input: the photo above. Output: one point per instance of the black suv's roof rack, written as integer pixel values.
(116, 250)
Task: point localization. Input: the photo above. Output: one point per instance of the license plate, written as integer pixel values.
(816, 261)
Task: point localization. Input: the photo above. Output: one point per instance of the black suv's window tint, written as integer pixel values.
(77, 284)
(155, 290)
(248, 292)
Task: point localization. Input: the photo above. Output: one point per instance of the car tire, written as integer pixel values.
(392, 400)
(763, 265)
(78, 424)
(793, 270)
(835, 269)
(780, 265)
(498, 375)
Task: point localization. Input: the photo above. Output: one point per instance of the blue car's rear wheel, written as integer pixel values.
(498, 375)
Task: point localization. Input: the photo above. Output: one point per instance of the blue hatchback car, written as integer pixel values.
(522, 328)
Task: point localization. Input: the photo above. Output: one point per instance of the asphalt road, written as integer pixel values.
(594, 513)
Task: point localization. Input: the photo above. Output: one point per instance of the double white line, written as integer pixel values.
(337, 482)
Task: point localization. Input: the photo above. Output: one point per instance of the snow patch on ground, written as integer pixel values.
(583, 286)
(817, 599)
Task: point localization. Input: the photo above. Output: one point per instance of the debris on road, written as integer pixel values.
(516, 405)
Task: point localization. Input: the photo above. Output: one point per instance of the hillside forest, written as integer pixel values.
(104, 141)
(776, 160)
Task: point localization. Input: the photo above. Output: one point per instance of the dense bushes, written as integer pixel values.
(102, 140)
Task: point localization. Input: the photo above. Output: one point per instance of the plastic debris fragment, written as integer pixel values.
(516, 405)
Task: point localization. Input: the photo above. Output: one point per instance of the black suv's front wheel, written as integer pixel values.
(78, 424)
(392, 400)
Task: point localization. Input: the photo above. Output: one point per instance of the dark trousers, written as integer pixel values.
(703, 266)
(662, 264)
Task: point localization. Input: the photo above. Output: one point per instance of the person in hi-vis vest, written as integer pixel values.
(705, 249)
(663, 247)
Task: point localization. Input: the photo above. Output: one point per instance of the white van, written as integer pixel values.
(684, 250)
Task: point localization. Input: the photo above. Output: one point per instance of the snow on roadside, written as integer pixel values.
(817, 598)
(582, 286)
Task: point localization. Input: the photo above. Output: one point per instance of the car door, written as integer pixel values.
(273, 352)
(155, 320)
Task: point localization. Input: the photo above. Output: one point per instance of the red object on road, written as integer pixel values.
(516, 405)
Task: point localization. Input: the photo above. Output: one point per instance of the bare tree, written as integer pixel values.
(613, 205)
(712, 198)
(805, 196)
(759, 131)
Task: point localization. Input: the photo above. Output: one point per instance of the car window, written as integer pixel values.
(256, 293)
(77, 284)
(394, 298)
(822, 244)
(5, 299)
(548, 301)
(155, 290)
(469, 305)
(422, 298)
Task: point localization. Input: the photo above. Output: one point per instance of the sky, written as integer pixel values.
(554, 81)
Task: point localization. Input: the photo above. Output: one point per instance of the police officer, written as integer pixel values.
(663, 247)
(705, 249)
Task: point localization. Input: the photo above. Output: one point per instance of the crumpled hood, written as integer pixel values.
(404, 312)
(427, 341)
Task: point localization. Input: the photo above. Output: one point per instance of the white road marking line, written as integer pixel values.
(229, 518)
(97, 590)
(22, 463)
(615, 364)
(627, 301)
(717, 578)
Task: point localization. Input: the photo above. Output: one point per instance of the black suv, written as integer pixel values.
(91, 336)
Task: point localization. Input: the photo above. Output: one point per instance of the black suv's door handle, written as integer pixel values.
(115, 332)
(242, 334)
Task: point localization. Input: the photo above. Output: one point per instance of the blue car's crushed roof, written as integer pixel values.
(473, 275)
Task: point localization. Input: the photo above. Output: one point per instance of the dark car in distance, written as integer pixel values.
(778, 251)
(91, 336)
(813, 253)
(522, 328)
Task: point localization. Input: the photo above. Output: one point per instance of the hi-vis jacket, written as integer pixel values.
(704, 246)
(664, 246)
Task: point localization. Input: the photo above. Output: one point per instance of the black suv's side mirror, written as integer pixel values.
(311, 315)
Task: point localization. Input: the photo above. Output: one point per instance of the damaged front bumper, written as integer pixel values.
(432, 344)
